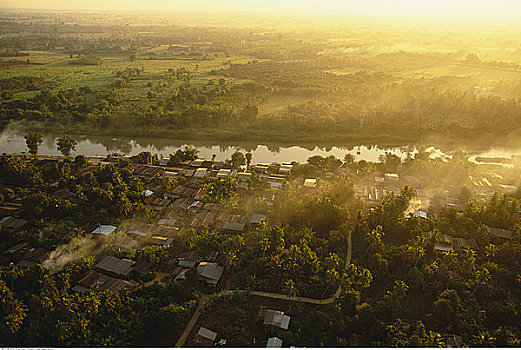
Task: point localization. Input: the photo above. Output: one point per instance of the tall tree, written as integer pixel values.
(33, 140)
(248, 156)
(66, 144)
(237, 160)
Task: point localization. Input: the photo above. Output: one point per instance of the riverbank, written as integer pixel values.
(263, 149)
(223, 133)
(250, 137)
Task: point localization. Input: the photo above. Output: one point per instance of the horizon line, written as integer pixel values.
(267, 12)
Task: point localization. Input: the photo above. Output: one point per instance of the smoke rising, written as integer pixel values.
(77, 248)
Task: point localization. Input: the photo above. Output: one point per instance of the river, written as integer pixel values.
(12, 142)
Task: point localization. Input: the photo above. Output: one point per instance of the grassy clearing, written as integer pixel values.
(58, 69)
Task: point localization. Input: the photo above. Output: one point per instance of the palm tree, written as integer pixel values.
(434, 339)
(265, 246)
(416, 253)
(290, 288)
(14, 273)
(349, 159)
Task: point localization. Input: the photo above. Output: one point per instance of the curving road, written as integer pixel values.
(188, 329)
(329, 300)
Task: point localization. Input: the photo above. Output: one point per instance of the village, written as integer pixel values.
(181, 199)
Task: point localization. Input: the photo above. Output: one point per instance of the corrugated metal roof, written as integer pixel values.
(206, 333)
(274, 343)
(115, 265)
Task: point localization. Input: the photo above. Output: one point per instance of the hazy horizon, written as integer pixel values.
(414, 8)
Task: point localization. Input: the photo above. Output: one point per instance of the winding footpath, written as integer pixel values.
(188, 329)
(329, 300)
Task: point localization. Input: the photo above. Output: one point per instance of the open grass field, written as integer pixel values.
(56, 68)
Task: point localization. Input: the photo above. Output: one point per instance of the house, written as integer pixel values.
(206, 218)
(420, 214)
(275, 181)
(210, 206)
(112, 266)
(200, 194)
(233, 227)
(224, 173)
(205, 338)
(162, 241)
(148, 173)
(256, 219)
(261, 167)
(18, 251)
(210, 272)
(140, 268)
(243, 176)
(124, 242)
(10, 209)
(187, 172)
(157, 202)
(285, 168)
(104, 229)
(499, 232)
(89, 281)
(310, 183)
(164, 161)
(276, 319)
(391, 177)
(216, 164)
(172, 174)
(166, 222)
(96, 280)
(197, 163)
(194, 184)
(444, 243)
(188, 259)
(184, 203)
(35, 254)
(203, 219)
(26, 255)
(12, 224)
(200, 173)
(168, 231)
(274, 342)
(464, 243)
(179, 192)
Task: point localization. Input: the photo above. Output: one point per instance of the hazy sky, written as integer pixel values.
(465, 8)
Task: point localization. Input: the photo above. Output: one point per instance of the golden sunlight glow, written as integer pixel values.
(434, 8)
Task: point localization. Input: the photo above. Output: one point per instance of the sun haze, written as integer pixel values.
(435, 8)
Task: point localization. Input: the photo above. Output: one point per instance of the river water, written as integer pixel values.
(12, 142)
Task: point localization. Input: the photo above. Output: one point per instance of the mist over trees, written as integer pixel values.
(410, 250)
